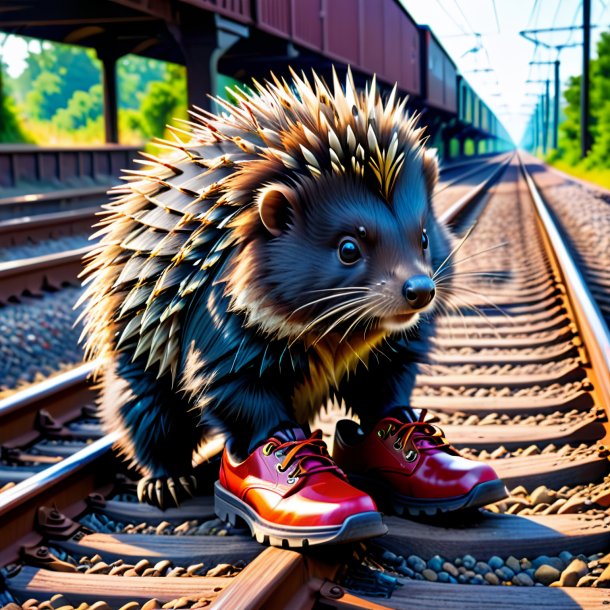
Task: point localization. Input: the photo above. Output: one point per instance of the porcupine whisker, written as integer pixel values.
(481, 314)
(314, 302)
(352, 288)
(485, 274)
(469, 306)
(343, 318)
(454, 287)
(471, 256)
(325, 315)
(476, 293)
(357, 355)
(457, 309)
(367, 311)
(454, 251)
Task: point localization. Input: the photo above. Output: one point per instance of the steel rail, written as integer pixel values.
(60, 394)
(593, 328)
(63, 485)
(32, 273)
(40, 226)
(476, 169)
(451, 215)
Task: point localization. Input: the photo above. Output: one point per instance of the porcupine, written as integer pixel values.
(258, 270)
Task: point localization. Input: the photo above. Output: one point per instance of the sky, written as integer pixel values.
(498, 22)
(479, 35)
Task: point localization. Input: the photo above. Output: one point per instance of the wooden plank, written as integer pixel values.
(182, 550)
(546, 469)
(511, 405)
(432, 596)
(114, 590)
(270, 582)
(519, 435)
(437, 356)
(556, 312)
(570, 373)
(485, 534)
(201, 507)
(505, 342)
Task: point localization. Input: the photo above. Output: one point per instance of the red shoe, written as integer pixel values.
(292, 494)
(410, 467)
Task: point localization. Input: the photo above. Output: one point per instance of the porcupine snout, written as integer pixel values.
(418, 291)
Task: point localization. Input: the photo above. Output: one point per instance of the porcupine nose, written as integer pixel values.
(418, 291)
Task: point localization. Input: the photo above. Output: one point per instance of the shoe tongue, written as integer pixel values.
(404, 414)
(298, 434)
(289, 434)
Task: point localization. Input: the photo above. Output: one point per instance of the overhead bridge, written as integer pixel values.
(249, 38)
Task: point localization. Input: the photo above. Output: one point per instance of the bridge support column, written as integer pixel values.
(202, 45)
(109, 86)
(461, 149)
(446, 146)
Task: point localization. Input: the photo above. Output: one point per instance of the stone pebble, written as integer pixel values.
(563, 570)
(38, 338)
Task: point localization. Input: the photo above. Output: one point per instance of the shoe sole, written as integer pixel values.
(357, 527)
(480, 495)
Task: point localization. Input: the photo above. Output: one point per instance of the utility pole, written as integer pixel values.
(533, 36)
(547, 103)
(544, 113)
(557, 92)
(585, 136)
(556, 107)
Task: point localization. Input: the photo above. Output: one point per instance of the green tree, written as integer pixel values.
(10, 127)
(83, 108)
(569, 129)
(53, 75)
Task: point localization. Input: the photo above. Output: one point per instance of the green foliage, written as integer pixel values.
(53, 75)
(158, 104)
(568, 153)
(10, 128)
(59, 97)
(83, 108)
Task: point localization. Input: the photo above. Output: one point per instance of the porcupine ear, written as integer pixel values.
(431, 168)
(274, 204)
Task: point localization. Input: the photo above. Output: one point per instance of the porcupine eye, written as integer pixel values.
(348, 251)
(424, 240)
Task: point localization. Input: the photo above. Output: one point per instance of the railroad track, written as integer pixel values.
(526, 389)
(588, 235)
(64, 231)
(52, 201)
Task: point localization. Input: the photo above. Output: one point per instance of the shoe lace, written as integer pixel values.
(309, 456)
(423, 428)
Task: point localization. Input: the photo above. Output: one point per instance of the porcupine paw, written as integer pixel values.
(166, 492)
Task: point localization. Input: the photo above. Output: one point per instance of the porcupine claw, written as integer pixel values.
(159, 492)
(189, 484)
(172, 488)
(142, 489)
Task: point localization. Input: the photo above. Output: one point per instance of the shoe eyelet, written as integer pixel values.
(411, 455)
(291, 480)
(268, 449)
(279, 454)
(397, 446)
(278, 467)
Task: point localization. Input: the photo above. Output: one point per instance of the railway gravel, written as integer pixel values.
(38, 338)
